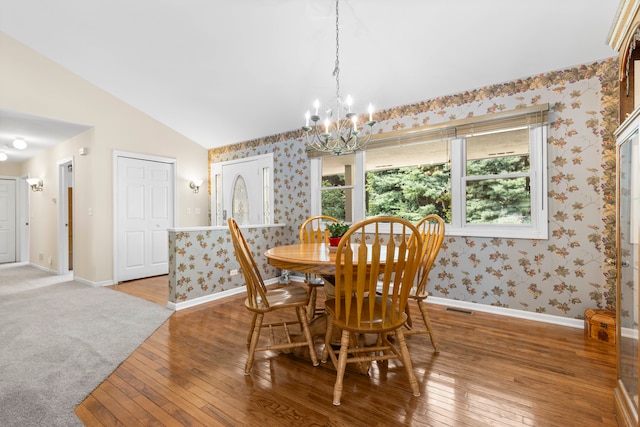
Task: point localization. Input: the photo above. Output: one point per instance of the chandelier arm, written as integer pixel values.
(317, 141)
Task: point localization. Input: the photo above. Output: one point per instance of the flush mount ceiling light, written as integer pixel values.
(3, 156)
(339, 134)
(19, 143)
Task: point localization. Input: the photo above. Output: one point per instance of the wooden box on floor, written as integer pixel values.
(600, 325)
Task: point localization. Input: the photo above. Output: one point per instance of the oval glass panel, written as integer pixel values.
(240, 201)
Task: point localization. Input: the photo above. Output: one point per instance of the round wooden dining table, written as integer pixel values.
(315, 258)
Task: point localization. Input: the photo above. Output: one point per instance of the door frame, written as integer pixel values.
(23, 219)
(13, 203)
(63, 213)
(219, 187)
(115, 174)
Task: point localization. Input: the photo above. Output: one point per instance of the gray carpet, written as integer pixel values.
(20, 277)
(59, 342)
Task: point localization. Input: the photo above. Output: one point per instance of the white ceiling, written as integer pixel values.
(40, 133)
(222, 72)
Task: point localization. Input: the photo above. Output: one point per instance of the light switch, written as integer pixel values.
(197, 211)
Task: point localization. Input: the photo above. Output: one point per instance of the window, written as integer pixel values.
(409, 182)
(337, 187)
(483, 179)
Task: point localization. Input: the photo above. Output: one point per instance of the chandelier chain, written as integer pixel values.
(336, 70)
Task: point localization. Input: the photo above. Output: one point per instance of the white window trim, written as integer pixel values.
(315, 174)
(538, 229)
(358, 190)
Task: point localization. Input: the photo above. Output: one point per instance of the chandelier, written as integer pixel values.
(340, 134)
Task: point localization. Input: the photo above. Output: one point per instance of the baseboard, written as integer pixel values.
(72, 276)
(510, 312)
(176, 306)
(91, 283)
(40, 267)
(212, 297)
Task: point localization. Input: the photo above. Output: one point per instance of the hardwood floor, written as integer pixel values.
(154, 289)
(492, 371)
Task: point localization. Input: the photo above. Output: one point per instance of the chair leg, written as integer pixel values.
(427, 324)
(408, 313)
(311, 308)
(406, 359)
(342, 365)
(255, 336)
(307, 334)
(327, 350)
(251, 328)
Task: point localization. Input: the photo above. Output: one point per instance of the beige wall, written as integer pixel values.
(30, 83)
(9, 169)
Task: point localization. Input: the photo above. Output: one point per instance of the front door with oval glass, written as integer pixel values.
(242, 189)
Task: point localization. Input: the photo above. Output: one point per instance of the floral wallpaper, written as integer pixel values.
(200, 260)
(564, 275)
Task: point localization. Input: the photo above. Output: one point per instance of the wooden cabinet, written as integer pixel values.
(628, 260)
(625, 39)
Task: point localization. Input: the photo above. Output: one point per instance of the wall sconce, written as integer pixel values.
(35, 183)
(195, 185)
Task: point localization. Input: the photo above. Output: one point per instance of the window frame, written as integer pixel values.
(539, 226)
(537, 229)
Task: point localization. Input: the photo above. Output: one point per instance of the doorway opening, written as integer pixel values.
(65, 216)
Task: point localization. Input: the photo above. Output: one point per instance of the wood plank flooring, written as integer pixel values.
(492, 371)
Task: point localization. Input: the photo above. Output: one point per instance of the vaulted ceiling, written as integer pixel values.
(222, 72)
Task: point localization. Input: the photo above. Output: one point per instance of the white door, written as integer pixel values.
(145, 210)
(7, 220)
(244, 191)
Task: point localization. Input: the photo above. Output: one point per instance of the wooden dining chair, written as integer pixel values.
(394, 259)
(314, 230)
(431, 229)
(261, 301)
